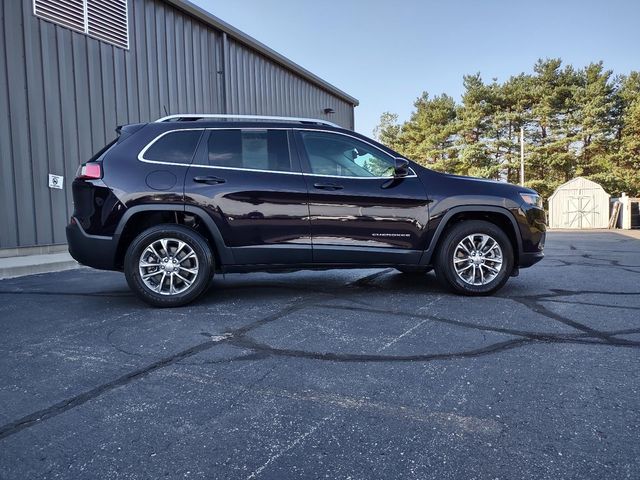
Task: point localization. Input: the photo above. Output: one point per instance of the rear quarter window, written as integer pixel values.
(173, 147)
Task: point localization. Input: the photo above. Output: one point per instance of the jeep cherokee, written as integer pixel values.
(172, 202)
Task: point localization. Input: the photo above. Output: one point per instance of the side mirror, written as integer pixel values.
(401, 168)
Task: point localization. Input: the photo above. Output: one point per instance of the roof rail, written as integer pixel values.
(195, 117)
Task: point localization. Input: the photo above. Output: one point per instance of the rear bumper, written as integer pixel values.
(91, 250)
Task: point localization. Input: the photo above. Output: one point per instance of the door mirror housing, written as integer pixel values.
(401, 168)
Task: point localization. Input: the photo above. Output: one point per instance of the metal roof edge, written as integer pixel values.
(215, 22)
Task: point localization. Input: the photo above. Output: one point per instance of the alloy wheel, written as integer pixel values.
(477, 259)
(168, 266)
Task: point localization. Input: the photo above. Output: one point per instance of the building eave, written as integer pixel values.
(213, 21)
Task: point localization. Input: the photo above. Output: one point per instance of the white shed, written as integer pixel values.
(579, 203)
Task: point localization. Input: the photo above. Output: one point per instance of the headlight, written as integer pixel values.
(532, 199)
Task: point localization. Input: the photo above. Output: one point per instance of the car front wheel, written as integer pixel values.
(168, 265)
(474, 258)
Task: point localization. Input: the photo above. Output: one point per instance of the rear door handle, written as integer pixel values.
(328, 186)
(209, 179)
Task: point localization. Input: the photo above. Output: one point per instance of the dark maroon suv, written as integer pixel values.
(175, 201)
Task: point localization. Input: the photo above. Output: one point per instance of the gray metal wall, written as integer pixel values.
(63, 93)
(257, 85)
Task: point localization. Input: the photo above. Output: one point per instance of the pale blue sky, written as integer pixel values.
(385, 53)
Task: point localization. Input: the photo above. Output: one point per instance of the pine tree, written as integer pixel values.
(576, 121)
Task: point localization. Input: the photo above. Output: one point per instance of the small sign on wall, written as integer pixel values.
(56, 181)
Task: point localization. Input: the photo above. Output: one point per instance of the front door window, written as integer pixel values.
(342, 156)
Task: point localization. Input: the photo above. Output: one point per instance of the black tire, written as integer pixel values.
(411, 270)
(444, 261)
(200, 281)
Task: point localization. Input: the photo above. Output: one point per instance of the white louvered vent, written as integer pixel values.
(105, 20)
(68, 13)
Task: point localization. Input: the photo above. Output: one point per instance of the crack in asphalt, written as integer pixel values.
(240, 338)
(77, 400)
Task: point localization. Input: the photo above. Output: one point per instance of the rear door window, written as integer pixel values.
(249, 149)
(174, 147)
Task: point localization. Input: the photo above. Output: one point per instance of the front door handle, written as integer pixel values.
(209, 179)
(328, 186)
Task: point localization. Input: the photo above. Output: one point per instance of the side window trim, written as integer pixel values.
(306, 165)
(297, 152)
(162, 162)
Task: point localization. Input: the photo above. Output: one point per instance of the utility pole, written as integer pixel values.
(522, 156)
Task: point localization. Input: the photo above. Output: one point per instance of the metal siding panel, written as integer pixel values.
(188, 52)
(95, 94)
(131, 68)
(204, 72)
(49, 201)
(197, 79)
(160, 65)
(8, 217)
(248, 93)
(120, 86)
(230, 77)
(82, 105)
(214, 57)
(219, 72)
(18, 111)
(180, 64)
(237, 85)
(152, 75)
(141, 65)
(271, 87)
(37, 126)
(242, 83)
(256, 84)
(264, 90)
(172, 68)
(108, 92)
(69, 122)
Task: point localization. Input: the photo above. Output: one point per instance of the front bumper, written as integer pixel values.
(533, 230)
(91, 250)
(527, 259)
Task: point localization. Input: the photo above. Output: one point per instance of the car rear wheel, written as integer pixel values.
(474, 258)
(168, 265)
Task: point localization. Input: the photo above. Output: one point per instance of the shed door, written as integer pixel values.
(581, 211)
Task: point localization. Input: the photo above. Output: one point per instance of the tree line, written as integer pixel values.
(576, 121)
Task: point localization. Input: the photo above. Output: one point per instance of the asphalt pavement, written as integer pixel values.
(341, 374)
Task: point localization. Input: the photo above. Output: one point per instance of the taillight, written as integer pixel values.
(89, 171)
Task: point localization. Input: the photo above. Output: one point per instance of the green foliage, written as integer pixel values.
(576, 122)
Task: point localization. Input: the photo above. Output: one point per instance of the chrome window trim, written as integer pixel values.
(413, 175)
(159, 162)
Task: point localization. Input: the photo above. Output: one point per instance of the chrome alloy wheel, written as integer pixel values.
(477, 259)
(168, 266)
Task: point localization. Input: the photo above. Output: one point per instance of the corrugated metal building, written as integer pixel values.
(72, 70)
